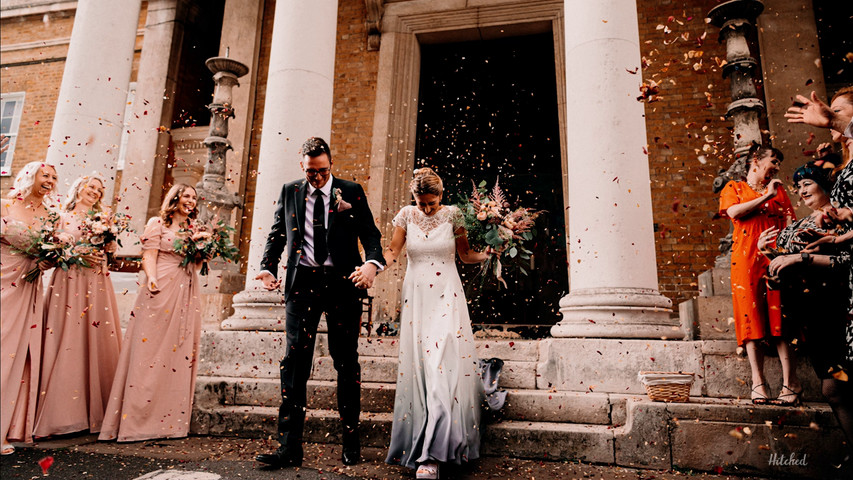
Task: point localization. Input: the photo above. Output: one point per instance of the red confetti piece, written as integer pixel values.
(45, 464)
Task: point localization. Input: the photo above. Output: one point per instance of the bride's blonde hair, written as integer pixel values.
(426, 182)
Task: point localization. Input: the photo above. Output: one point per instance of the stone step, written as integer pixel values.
(591, 443)
(548, 440)
(734, 435)
(384, 370)
(530, 405)
(321, 426)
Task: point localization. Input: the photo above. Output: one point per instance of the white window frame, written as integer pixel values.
(125, 130)
(18, 98)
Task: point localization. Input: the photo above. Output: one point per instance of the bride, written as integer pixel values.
(439, 391)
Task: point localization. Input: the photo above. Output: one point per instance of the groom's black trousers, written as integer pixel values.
(317, 290)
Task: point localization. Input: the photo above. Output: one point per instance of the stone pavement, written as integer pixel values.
(215, 458)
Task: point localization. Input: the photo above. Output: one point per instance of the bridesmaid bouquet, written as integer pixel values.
(102, 228)
(50, 245)
(490, 222)
(201, 242)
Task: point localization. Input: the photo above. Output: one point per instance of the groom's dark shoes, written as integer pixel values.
(279, 459)
(351, 454)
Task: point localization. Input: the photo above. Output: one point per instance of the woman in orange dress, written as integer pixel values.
(753, 206)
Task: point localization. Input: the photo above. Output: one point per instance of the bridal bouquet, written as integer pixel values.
(490, 222)
(50, 245)
(201, 242)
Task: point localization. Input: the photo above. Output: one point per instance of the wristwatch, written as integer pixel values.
(807, 258)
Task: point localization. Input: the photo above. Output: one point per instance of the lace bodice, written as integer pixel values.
(432, 242)
(427, 223)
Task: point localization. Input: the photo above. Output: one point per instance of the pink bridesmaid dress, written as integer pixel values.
(21, 311)
(82, 337)
(152, 393)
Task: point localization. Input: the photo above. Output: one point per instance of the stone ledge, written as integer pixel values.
(567, 407)
(563, 441)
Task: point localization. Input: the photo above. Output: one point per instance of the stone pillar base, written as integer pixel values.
(256, 310)
(617, 313)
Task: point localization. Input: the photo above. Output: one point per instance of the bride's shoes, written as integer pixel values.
(427, 471)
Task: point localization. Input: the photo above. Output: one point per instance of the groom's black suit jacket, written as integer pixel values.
(344, 229)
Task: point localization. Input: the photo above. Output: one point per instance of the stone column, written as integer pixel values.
(298, 105)
(613, 272)
(90, 110)
(148, 144)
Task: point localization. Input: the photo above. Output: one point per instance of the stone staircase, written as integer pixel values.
(573, 399)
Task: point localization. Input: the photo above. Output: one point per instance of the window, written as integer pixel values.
(11, 106)
(125, 131)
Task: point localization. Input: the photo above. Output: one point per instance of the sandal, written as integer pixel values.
(788, 403)
(759, 398)
(7, 449)
(427, 471)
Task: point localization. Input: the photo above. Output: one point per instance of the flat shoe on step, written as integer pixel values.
(7, 450)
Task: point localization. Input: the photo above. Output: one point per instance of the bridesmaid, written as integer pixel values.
(152, 393)
(21, 304)
(81, 331)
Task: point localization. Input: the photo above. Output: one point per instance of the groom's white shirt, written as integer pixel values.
(307, 257)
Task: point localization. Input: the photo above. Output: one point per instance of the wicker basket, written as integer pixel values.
(668, 386)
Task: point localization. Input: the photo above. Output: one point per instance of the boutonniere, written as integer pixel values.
(340, 203)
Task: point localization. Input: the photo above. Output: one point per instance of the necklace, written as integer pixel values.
(757, 188)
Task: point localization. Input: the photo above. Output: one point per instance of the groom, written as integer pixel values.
(319, 221)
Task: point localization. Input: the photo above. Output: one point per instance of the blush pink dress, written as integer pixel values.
(82, 337)
(21, 310)
(152, 393)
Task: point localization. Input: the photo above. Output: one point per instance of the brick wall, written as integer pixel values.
(37, 71)
(689, 141)
(354, 95)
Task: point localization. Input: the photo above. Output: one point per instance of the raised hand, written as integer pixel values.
(773, 187)
(811, 112)
(270, 283)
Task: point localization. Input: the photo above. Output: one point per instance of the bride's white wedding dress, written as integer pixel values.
(439, 391)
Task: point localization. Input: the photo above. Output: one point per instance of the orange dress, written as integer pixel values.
(752, 309)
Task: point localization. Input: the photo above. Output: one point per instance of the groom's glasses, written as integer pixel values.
(315, 171)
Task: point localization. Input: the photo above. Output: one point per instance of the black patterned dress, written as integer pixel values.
(815, 303)
(842, 196)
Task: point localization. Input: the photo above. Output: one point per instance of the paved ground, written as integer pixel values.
(214, 458)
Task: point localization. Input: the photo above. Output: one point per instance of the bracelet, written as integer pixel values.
(807, 258)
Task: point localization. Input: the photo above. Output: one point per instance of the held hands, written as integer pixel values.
(270, 283)
(364, 275)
